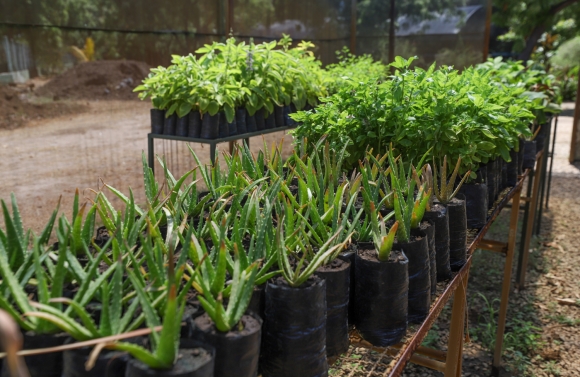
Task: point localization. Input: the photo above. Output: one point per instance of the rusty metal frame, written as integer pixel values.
(529, 219)
(450, 362)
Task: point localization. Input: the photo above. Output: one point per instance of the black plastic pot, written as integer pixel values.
(258, 301)
(108, 364)
(512, 169)
(181, 126)
(529, 160)
(503, 175)
(457, 232)
(169, 125)
(542, 135)
(241, 120)
(210, 126)
(491, 183)
(417, 251)
(294, 341)
(438, 215)
(348, 255)
(46, 365)
(237, 352)
(157, 121)
(251, 123)
(224, 129)
(428, 227)
(260, 120)
(194, 128)
(381, 297)
(233, 127)
(195, 360)
(337, 277)
(521, 156)
(287, 120)
(270, 121)
(475, 204)
(279, 116)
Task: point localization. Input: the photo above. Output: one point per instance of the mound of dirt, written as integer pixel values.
(15, 110)
(105, 79)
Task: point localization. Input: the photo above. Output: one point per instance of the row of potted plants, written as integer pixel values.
(233, 88)
(267, 267)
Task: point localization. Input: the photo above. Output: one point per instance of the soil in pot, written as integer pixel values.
(417, 251)
(457, 232)
(529, 160)
(251, 123)
(440, 217)
(169, 125)
(193, 361)
(181, 126)
(476, 206)
(194, 126)
(428, 227)
(237, 351)
(241, 120)
(294, 341)
(157, 121)
(260, 119)
(491, 183)
(381, 297)
(348, 255)
(46, 365)
(210, 126)
(337, 277)
(512, 169)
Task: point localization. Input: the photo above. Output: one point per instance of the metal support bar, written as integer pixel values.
(492, 245)
(529, 224)
(457, 332)
(543, 175)
(151, 153)
(507, 279)
(552, 160)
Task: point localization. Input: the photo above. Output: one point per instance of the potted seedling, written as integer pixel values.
(294, 341)
(409, 209)
(382, 285)
(445, 193)
(235, 335)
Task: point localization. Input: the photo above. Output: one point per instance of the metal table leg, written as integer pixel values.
(454, 357)
(529, 226)
(212, 152)
(507, 278)
(543, 180)
(552, 160)
(151, 152)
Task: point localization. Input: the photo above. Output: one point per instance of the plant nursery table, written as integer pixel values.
(391, 361)
(212, 142)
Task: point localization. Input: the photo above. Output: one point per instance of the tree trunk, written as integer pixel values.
(540, 28)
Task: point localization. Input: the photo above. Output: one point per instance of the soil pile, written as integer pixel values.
(15, 110)
(106, 79)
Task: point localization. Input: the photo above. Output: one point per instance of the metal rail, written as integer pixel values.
(212, 142)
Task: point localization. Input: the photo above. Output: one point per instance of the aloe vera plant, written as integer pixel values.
(383, 241)
(446, 191)
(210, 282)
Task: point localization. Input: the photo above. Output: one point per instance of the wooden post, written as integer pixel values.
(486, 38)
(353, 27)
(575, 140)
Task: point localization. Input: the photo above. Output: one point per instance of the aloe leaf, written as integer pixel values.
(148, 310)
(61, 320)
(166, 347)
(85, 318)
(140, 354)
(14, 244)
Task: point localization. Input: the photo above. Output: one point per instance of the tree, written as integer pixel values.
(528, 20)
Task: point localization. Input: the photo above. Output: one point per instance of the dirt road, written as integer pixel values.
(49, 158)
